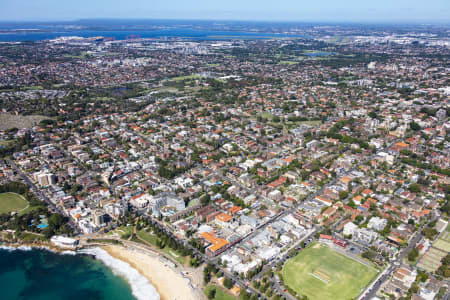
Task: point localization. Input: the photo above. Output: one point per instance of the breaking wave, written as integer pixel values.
(140, 286)
(23, 248)
(29, 248)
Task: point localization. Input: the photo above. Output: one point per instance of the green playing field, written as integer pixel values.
(10, 202)
(319, 272)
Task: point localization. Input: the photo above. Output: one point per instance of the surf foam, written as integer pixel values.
(140, 286)
(22, 248)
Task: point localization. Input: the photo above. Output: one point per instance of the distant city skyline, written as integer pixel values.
(401, 11)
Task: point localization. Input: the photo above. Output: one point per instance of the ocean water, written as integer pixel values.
(38, 274)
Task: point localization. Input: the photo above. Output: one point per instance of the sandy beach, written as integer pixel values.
(169, 283)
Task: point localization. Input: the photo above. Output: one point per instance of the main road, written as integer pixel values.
(371, 291)
(41, 195)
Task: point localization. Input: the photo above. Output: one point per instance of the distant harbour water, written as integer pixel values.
(318, 54)
(9, 35)
(38, 274)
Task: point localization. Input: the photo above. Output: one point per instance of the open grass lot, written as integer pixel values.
(28, 210)
(322, 273)
(266, 115)
(150, 238)
(288, 124)
(8, 121)
(187, 77)
(220, 293)
(288, 62)
(6, 143)
(10, 202)
(31, 237)
(124, 231)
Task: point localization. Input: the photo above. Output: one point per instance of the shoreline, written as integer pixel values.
(156, 269)
(41, 245)
(163, 277)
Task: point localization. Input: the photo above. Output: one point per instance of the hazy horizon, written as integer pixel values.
(350, 11)
(306, 22)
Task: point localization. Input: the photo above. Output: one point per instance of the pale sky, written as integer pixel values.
(273, 10)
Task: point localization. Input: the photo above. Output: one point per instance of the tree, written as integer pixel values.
(351, 203)
(373, 115)
(206, 277)
(48, 232)
(256, 284)
(359, 219)
(422, 276)
(429, 233)
(211, 293)
(343, 195)
(55, 221)
(369, 254)
(414, 288)
(444, 269)
(244, 295)
(441, 293)
(413, 254)
(228, 283)
(205, 199)
(414, 188)
(414, 126)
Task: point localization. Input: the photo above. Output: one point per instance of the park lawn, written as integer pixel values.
(35, 87)
(82, 55)
(167, 89)
(266, 115)
(105, 241)
(10, 202)
(312, 122)
(123, 231)
(147, 236)
(152, 239)
(220, 293)
(28, 210)
(6, 143)
(291, 125)
(322, 273)
(193, 202)
(103, 98)
(31, 237)
(187, 77)
(288, 62)
(288, 124)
